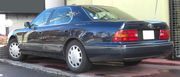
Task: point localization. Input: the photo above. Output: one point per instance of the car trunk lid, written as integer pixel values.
(146, 30)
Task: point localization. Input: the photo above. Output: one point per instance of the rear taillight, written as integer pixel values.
(164, 35)
(126, 35)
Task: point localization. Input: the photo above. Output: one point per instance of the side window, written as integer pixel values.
(61, 16)
(42, 18)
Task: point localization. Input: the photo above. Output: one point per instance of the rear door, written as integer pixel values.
(57, 30)
(33, 37)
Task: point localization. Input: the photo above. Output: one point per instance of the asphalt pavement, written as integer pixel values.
(7, 70)
(42, 67)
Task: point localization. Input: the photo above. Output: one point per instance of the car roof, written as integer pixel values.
(79, 6)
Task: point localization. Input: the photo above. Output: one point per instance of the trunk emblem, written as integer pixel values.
(150, 26)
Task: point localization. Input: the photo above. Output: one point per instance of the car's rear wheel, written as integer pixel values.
(14, 50)
(76, 58)
(131, 63)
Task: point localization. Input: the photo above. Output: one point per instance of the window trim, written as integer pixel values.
(87, 14)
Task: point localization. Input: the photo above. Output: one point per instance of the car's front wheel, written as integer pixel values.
(76, 58)
(14, 50)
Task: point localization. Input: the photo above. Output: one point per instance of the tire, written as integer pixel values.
(14, 51)
(77, 62)
(131, 63)
(170, 56)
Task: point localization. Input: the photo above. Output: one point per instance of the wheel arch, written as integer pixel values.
(12, 37)
(68, 41)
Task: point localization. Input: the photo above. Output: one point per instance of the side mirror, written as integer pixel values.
(27, 24)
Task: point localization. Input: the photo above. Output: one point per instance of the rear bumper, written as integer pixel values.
(128, 51)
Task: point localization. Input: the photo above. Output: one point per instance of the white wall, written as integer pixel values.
(3, 23)
(18, 20)
(139, 9)
(54, 3)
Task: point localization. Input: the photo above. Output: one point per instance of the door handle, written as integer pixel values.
(40, 32)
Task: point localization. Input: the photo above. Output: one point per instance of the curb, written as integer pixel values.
(161, 62)
(40, 68)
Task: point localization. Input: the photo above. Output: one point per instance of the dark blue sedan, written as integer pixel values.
(82, 35)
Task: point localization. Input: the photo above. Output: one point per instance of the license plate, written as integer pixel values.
(148, 34)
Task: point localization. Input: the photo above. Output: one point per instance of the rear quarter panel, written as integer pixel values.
(94, 33)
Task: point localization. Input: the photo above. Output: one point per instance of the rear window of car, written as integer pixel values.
(106, 13)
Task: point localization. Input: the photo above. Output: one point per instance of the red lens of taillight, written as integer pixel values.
(164, 34)
(126, 35)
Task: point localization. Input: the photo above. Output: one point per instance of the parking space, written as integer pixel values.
(113, 69)
(7, 70)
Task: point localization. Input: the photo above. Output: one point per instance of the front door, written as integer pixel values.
(33, 38)
(57, 30)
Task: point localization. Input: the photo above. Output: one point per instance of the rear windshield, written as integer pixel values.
(106, 13)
